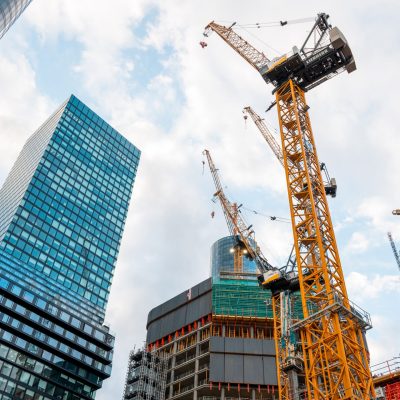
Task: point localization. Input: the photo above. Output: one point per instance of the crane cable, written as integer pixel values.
(271, 24)
(259, 25)
(271, 217)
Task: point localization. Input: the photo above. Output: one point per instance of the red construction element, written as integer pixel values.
(393, 391)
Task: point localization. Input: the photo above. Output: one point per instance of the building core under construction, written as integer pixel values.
(216, 339)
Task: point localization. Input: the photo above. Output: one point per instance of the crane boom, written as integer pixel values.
(254, 57)
(235, 222)
(396, 254)
(329, 183)
(335, 360)
(262, 127)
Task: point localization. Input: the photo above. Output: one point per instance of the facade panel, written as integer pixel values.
(253, 370)
(234, 368)
(270, 377)
(217, 367)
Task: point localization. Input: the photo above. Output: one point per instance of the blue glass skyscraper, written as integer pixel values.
(62, 212)
(10, 10)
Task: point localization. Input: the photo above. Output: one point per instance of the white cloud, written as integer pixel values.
(358, 243)
(22, 107)
(362, 286)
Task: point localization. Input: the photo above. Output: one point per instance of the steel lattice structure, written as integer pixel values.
(254, 57)
(335, 359)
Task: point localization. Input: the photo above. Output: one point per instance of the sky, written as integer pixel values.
(139, 65)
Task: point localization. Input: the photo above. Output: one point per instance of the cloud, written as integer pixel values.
(363, 286)
(22, 107)
(358, 243)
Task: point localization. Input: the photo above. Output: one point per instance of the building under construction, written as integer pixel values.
(217, 338)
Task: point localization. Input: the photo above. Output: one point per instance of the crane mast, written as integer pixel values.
(335, 360)
(395, 252)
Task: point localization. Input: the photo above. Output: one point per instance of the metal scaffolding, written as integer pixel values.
(146, 376)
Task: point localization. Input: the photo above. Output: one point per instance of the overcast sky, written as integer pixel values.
(140, 66)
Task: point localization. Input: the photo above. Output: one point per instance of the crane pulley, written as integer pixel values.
(335, 359)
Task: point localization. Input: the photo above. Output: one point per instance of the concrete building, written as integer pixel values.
(62, 213)
(10, 10)
(218, 340)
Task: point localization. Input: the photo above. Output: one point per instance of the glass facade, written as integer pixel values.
(222, 258)
(62, 213)
(10, 10)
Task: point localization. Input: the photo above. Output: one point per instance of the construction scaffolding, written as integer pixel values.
(386, 377)
(146, 376)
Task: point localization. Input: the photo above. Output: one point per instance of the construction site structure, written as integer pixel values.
(146, 376)
(334, 356)
(218, 339)
(394, 249)
(386, 376)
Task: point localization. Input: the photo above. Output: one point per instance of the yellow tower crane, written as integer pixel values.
(335, 358)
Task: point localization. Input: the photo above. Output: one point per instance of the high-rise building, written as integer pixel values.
(10, 10)
(62, 212)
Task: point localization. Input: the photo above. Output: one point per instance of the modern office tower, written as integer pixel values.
(222, 258)
(10, 10)
(62, 212)
(217, 338)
